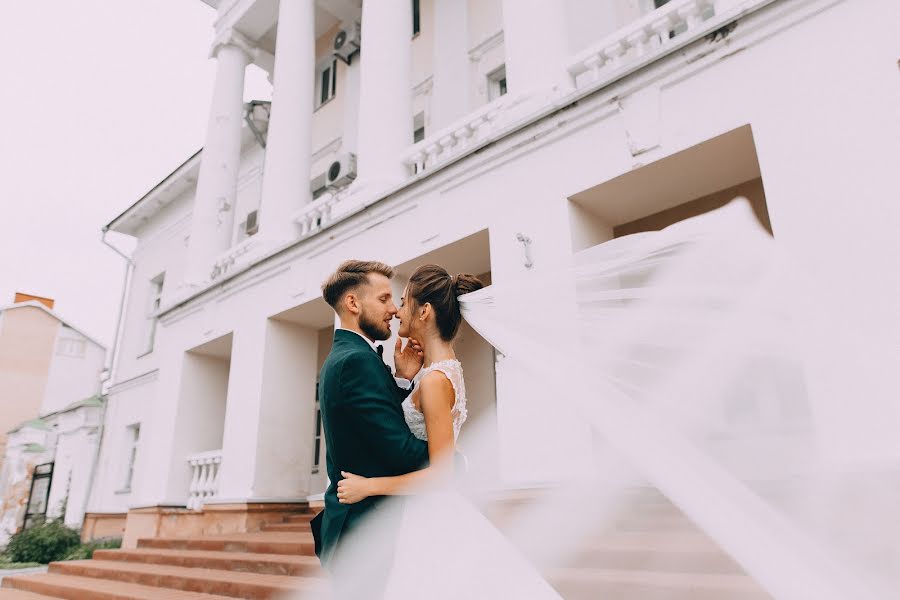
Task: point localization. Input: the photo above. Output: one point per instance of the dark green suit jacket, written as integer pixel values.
(365, 433)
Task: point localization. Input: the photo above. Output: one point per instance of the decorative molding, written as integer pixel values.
(137, 380)
(233, 37)
(640, 112)
(329, 148)
(424, 87)
(486, 45)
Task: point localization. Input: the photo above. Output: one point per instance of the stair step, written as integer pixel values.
(273, 564)
(297, 543)
(210, 581)
(589, 584)
(11, 594)
(298, 527)
(300, 518)
(88, 588)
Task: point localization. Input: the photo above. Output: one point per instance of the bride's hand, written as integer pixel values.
(353, 488)
(408, 360)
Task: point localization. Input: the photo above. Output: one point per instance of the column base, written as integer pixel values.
(212, 519)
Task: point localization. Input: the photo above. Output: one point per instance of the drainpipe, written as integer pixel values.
(129, 270)
(113, 363)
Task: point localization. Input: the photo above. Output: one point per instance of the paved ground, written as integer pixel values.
(5, 572)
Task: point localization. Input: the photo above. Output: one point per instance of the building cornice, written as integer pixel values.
(486, 45)
(162, 194)
(137, 380)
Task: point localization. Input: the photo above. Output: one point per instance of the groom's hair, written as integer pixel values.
(349, 275)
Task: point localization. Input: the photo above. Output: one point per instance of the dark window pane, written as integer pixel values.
(416, 17)
(419, 135)
(333, 77)
(326, 76)
(502, 84)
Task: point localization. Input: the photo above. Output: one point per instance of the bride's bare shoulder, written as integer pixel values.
(436, 391)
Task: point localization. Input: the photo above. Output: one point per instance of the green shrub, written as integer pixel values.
(43, 542)
(86, 551)
(6, 564)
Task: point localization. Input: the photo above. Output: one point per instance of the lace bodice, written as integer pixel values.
(416, 420)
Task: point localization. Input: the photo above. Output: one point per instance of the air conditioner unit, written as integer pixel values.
(341, 172)
(347, 42)
(251, 226)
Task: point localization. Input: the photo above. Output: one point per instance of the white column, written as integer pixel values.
(288, 153)
(350, 91)
(212, 222)
(450, 96)
(535, 39)
(385, 105)
(267, 448)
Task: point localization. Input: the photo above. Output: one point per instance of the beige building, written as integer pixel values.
(45, 362)
(49, 400)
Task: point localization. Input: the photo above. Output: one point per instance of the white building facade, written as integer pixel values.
(491, 137)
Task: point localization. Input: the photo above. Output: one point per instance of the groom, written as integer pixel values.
(365, 432)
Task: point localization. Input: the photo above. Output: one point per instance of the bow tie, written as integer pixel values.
(380, 351)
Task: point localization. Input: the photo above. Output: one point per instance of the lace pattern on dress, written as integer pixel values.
(452, 369)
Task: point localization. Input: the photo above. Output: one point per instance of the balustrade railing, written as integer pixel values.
(650, 37)
(204, 478)
(463, 134)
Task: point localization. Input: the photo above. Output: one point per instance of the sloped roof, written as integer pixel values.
(55, 315)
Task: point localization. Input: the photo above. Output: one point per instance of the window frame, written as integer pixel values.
(154, 301)
(326, 91)
(496, 83)
(132, 441)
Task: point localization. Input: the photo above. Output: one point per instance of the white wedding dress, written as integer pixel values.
(452, 369)
(446, 547)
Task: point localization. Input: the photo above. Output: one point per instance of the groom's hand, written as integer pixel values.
(408, 360)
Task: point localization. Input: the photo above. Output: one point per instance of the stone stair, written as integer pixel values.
(650, 551)
(271, 563)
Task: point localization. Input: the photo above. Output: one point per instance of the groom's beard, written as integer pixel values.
(374, 330)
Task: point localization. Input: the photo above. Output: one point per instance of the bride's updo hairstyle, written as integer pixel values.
(431, 284)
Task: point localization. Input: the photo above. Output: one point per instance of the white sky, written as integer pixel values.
(99, 101)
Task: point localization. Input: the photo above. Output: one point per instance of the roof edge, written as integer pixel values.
(55, 315)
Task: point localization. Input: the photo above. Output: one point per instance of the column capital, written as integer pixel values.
(233, 37)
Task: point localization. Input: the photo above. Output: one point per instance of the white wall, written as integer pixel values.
(124, 408)
(72, 377)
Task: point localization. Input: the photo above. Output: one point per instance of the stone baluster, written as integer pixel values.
(690, 13)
